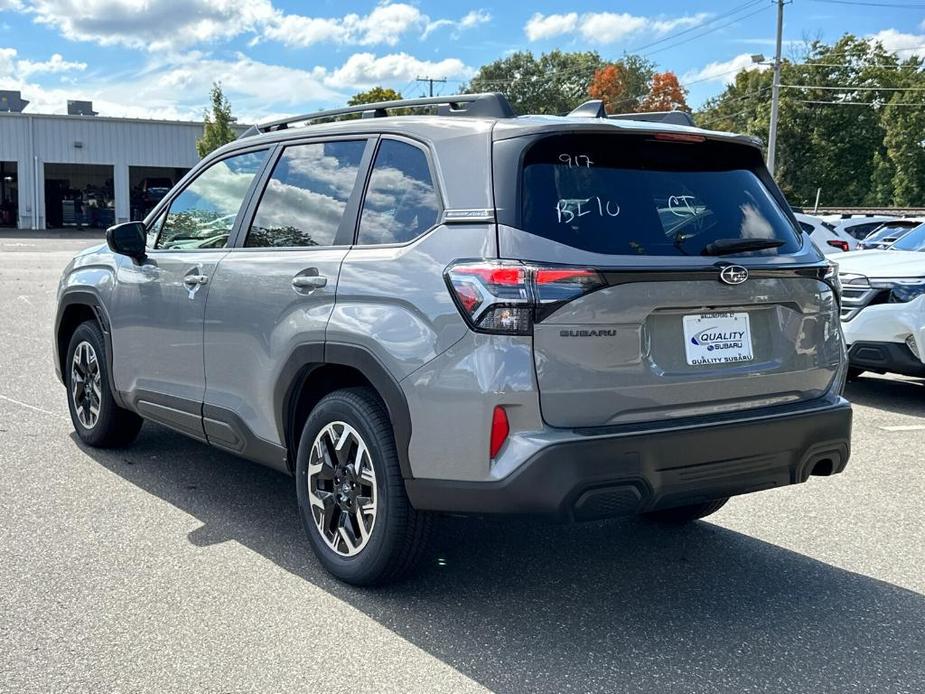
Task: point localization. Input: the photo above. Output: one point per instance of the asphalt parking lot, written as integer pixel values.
(172, 567)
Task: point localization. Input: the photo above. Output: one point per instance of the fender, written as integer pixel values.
(306, 358)
(89, 298)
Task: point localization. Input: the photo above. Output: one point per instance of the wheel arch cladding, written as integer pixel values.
(314, 370)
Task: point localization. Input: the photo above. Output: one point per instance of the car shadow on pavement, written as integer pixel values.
(897, 395)
(612, 606)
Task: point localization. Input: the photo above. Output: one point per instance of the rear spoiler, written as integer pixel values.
(595, 109)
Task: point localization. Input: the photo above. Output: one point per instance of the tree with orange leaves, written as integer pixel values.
(665, 94)
(622, 85)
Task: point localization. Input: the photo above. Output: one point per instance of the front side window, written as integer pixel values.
(203, 215)
(401, 200)
(306, 196)
(627, 195)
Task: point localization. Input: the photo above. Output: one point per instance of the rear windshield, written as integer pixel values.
(629, 195)
(913, 241)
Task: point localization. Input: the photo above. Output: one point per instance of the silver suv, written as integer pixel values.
(466, 311)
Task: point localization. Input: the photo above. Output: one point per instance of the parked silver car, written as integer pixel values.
(469, 312)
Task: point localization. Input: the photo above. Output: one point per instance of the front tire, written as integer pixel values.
(686, 514)
(97, 419)
(351, 494)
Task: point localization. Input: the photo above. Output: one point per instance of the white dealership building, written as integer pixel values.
(83, 170)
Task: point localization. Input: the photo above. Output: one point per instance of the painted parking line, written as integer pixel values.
(904, 427)
(32, 407)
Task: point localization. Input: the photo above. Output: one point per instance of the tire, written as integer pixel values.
(112, 427)
(686, 514)
(391, 541)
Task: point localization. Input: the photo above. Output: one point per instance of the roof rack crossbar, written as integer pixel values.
(486, 105)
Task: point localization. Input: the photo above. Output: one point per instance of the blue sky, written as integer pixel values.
(157, 58)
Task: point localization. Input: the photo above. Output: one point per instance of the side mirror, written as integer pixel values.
(127, 239)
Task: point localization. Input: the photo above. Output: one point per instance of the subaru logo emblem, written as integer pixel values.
(733, 274)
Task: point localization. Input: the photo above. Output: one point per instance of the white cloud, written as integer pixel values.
(470, 20)
(905, 45)
(610, 27)
(10, 5)
(605, 27)
(55, 64)
(386, 25)
(366, 70)
(723, 72)
(152, 25)
(541, 27)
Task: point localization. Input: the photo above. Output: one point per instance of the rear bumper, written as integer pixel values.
(885, 357)
(603, 476)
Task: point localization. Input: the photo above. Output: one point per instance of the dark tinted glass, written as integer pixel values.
(304, 201)
(203, 215)
(808, 228)
(401, 201)
(627, 195)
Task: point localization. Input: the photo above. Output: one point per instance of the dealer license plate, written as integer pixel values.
(717, 338)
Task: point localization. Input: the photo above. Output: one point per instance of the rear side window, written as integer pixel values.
(401, 199)
(305, 198)
(808, 228)
(203, 215)
(628, 195)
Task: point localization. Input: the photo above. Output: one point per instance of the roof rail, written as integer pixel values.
(487, 105)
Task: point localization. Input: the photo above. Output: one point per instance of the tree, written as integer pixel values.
(371, 96)
(842, 128)
(622, 85)
(554, 83)
(665, 94)
(217, 130)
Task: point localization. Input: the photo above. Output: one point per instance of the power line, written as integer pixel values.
(430, 81)
(859, 103)
(715, 19)
(901, 5)
(848, 88)
(708, 32)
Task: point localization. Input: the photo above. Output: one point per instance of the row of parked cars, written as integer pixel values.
(881, 264)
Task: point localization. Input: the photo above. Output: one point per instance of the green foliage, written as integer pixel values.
(866, 153)
(218, 129)
(371, 96)
(556, 82)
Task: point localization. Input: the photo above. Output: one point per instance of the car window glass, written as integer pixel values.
(401, 199)
(154, 229)
(808, 228)
(203, 215)
(304, 201)
(645, 197)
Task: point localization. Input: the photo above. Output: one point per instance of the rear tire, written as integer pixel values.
(686, 514)
(97, 419)
(351, 493)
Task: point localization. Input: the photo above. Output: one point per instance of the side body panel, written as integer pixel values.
(255, 320)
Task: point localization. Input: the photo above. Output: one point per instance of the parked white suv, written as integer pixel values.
(827, 237)
(883, 307)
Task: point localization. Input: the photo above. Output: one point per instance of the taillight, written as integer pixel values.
(499, 431)
(504, 296)
(838, 243)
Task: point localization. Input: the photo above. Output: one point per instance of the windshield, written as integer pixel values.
(628, 195)
(913, 241)
(888, 231)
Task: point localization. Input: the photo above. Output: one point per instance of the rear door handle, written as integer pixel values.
(195, 280)
(309, 281)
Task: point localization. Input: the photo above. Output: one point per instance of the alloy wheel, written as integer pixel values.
(86, 382)
(342, 488)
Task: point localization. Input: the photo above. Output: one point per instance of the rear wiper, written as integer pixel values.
(727, 246)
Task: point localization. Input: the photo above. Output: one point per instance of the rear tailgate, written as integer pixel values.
(670, 334)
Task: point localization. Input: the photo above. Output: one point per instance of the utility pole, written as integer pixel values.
(775, 90)
(430, 81)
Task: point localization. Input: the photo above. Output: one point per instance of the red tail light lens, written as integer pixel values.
(838, 243)
(500, 428)
(501, 296)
